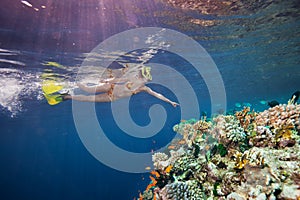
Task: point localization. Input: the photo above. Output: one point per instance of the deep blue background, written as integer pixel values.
(42, 157)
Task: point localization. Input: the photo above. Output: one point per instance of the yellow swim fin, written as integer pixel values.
(54, 99)
(50, 91)
(55, 64)
(51, 86)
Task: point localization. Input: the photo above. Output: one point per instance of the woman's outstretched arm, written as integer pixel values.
(157, 95)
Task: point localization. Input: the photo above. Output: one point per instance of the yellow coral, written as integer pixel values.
(285, 131)
(292, 100)
(251, 157)
(241, 161)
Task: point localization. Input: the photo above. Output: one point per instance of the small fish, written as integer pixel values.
(171, 147)
(238, 105)
(263, 102)
(168, 169)
(273, 103)
(152, 183)
(148, 168)
(181, 142)
(155, 173)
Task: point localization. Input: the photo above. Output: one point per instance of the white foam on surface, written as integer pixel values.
(14, 85)
(10, 89)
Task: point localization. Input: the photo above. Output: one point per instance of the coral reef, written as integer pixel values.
(246, 155)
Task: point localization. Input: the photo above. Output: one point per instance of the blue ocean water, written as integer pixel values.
(255, 46)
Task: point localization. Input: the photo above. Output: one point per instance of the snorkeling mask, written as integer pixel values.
(146, 73)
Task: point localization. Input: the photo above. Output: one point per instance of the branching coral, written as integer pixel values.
(245, 117)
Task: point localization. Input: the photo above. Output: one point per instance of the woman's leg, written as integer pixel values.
(105, 87)
(90, 98)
